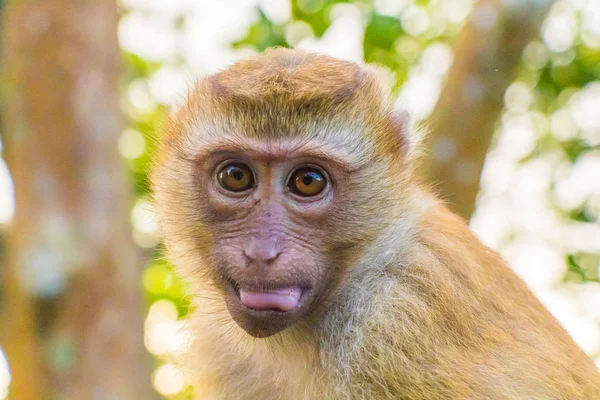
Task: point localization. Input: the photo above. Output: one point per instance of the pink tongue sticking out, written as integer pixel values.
(281, 299)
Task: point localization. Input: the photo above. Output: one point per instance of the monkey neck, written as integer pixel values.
(374, 276)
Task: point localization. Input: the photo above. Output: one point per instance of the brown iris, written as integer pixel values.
(236, 177)
(307, 182)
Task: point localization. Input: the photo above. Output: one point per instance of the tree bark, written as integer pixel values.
(486, 61)
(72, 324)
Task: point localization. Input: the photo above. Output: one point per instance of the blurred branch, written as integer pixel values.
(486, 61)
(72, 321)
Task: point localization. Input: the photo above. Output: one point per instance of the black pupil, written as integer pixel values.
(307, 179)
(237, 174)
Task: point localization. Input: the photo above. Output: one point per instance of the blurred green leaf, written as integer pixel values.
(263, 34)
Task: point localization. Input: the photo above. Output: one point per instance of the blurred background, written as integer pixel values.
(508, 89)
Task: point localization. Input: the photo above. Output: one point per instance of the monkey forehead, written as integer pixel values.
(335, 143)
(274, 92)
(299, 78)
(288, 95)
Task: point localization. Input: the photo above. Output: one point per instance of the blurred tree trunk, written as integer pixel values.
(486, 61)
(72, 322)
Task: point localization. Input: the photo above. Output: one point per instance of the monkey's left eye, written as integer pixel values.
(236, 177)
(307, 182)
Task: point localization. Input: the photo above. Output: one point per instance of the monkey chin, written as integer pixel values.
(263, 323)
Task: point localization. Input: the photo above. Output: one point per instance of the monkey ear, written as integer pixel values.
(407, 133)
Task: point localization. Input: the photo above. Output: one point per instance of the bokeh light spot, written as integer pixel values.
(131, 144)
(168, 380)
(4, 376)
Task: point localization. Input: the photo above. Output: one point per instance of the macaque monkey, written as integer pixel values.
(321, 268)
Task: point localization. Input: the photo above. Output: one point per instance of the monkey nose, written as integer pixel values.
(262, 251)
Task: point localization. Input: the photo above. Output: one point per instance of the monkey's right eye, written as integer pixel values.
(236, 177)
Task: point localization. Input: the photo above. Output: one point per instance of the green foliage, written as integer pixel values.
(381, 35)
(314, 12)
(553, 87)
(581, 268)
(159, 278)
(584, 68)
(161, 282)
(385, 41)
(137, 67)
(263, 34)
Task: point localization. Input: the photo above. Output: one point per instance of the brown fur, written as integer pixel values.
(421, 308)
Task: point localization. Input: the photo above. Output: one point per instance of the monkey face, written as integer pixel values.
(273, 224)
(271, 181)
(268, 211)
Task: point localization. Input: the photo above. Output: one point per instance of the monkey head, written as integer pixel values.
(267, 182)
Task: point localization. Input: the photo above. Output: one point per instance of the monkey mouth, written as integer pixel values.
(263, 311)
(284, 299)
